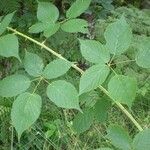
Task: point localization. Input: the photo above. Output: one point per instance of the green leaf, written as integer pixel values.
(83, 121)
(89, 99)
(75, 25)
(33, 64)
(77, 8)
(48, 28)
(56, 69)
(47, 12)
(93, 77)
(63, 94)
(101, 109)
(14, 85)
(52, 29)
(94, 51)
(142, 140)
(119, 137)
(118, 36)
(143, 55)
(123, 89)
(5, 22)
(25, 111)
(9, 46)
(39, 27)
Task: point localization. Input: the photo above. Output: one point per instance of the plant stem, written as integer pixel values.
(81, 71)
(44, 46)
(123, 109)
(129, 116)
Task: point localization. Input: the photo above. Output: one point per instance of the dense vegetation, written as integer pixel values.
(74, 74)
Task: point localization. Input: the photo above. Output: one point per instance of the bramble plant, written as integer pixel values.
(120, 88)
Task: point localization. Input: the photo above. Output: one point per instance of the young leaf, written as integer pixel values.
(93, 77)
(33, 64)
(75, 25)
(52, 29)
(56, 68)
(77, 8)
(122, 89)
(25, 111)
(5, 22)
(118, 36)
(142, 140)
(47, 12)
(119, 137)
(14, 85)
(143, 55)
(83, 121)
(9, 46)
(94, 51)
(63, 94)
(101, 109)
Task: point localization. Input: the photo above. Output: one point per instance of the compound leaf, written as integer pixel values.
(52, 29)
(118, 36)
(38, 27)
(9, 46)
(94, 51)
(5, 22)
(93, 77)
(14, 85)
(119, 137)
(56, 68)
(83, 121)
(143, 55)
(63, 94)
(77, 8)
(142, 140)
(89, 99)
(122, 89)
(48, 28)
(25, 111)
(75, 25)
(47, 12)
(33, 64)
(101, 109)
